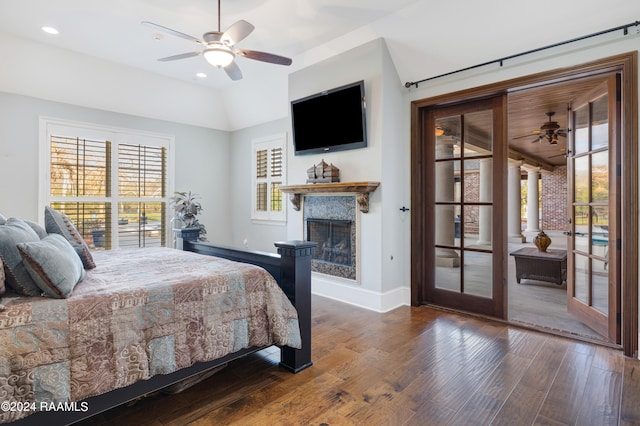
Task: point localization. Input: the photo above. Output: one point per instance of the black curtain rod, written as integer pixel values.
(625, 28)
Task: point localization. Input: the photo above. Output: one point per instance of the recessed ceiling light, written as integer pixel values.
(201, 75)
(50, 30)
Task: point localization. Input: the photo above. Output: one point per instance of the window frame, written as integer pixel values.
(277, 141)
(116, 135)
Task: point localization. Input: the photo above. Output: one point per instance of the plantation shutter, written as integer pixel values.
(141, 189)
(269, 174)
(262, 164)
(276, 179)
(80, 185)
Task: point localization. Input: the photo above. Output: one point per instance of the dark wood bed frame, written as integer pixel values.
(291, 268)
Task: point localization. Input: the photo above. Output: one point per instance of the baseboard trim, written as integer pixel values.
(363, 298)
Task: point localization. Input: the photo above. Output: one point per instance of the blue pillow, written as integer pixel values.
(16, 231)
(56, 222)
(53, 264)
(37, 228)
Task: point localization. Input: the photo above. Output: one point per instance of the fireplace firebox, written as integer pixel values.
(333, 238)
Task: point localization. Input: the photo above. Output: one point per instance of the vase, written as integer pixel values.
(542, 241)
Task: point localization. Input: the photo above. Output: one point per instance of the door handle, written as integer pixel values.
(568, 233)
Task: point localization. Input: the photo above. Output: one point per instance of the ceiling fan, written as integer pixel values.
(219, 47)
(550, 131)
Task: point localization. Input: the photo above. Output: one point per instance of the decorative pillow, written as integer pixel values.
(37, 228)
(16, 231)
(59, 223)
(3, 219)
(53, 264)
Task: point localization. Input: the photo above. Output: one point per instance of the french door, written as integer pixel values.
(593, 268)
(458, 240)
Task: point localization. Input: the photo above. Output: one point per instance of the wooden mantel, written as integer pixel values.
(361, 189)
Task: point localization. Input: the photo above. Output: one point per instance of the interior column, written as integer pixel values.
(514, 203)
(533, 218)
(485, 219)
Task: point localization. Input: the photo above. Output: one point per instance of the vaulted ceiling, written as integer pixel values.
(425, 38)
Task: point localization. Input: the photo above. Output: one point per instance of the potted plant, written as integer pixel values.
(186, 209)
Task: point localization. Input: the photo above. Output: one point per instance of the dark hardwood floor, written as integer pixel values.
(411, 366)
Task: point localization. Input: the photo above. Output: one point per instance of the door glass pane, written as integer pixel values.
(600, 177)
(448, 274)
(471, 181)
(471, 225)
(478, 133)
(581, 241)
(600, 279)
(478, 273)
(599, 230)
(581, 133)
(445, 225)
(600, 124)
(581, 182)
(478, 180)
(485, 227)
(447, 133)
(445, 182)
(581, 278)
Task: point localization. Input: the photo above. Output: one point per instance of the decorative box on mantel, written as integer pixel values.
(361, 189)
(323, 173)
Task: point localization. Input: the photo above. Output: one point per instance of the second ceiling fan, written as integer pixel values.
(219, 47)
(550, 131)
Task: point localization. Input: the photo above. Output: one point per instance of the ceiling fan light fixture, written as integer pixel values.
(219, 56)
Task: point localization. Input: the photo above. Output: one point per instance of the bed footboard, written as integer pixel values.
(291, 268)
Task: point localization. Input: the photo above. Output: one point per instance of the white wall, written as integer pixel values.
(245, 232)
(382, 282)
(201, 157)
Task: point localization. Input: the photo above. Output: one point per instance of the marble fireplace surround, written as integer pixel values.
(337, 201)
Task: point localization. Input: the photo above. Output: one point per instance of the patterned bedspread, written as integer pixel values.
(137, 314)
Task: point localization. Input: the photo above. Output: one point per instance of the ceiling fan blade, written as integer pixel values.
(265, 57)
(172, 32)
(233, 71)
(237, 32)
(538, 139)
(534, 133)
(180, 56)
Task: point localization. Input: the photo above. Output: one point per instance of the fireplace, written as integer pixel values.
(333, 238)
(331, 221)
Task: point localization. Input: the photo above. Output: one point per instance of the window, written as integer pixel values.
(112, 183)
(269, 174)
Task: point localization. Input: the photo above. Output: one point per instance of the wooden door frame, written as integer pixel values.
(626, 65)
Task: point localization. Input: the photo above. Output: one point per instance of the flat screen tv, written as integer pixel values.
(333, 120)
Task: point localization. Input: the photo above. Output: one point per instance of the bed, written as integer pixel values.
(147, 318)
